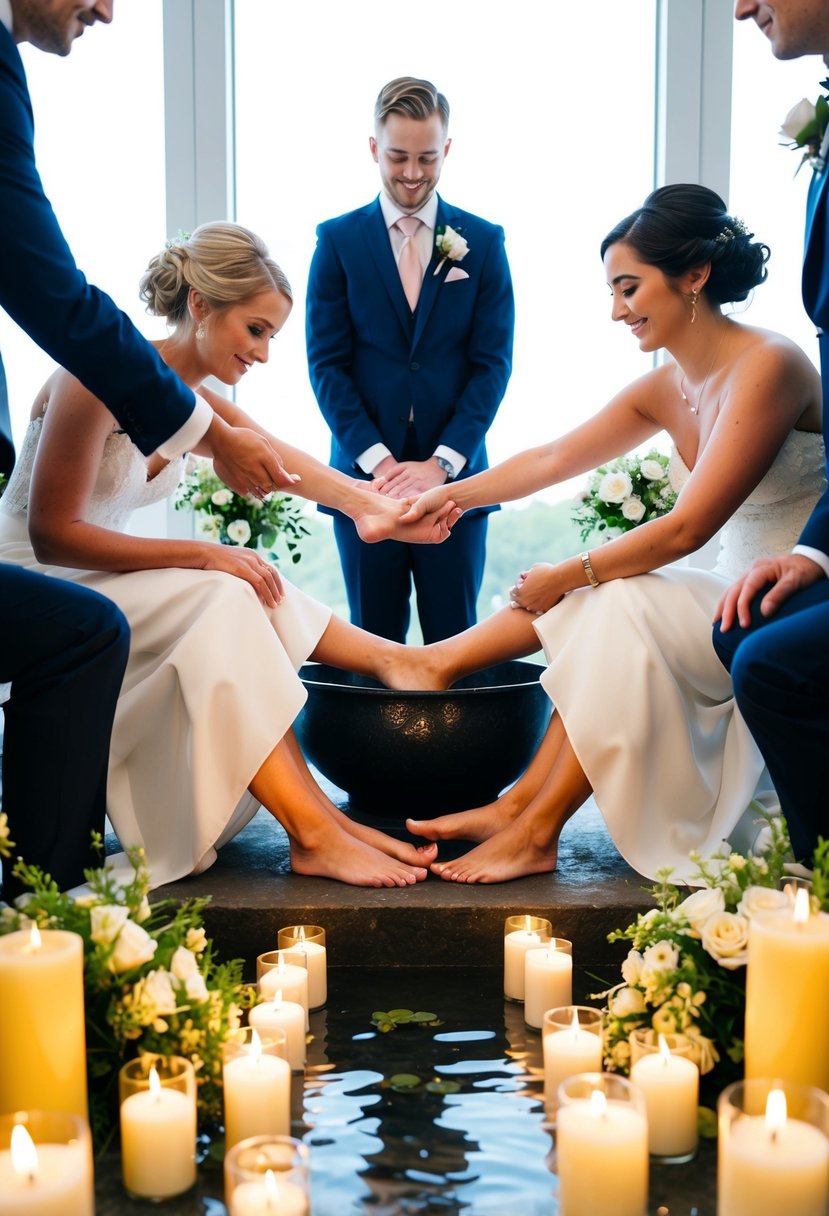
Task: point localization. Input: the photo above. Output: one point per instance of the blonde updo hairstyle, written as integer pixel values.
(226, 263)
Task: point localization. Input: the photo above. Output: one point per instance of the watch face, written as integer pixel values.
(448, 468)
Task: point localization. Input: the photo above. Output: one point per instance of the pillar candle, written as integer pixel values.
(295, 941)
(158, 1141)
(290, 980)
(548, 983)
(45, 1179)
(42, 1038)
(516, 945)
(566, 1053)
(288, 1016)
(270, 1195)
(257, 1096)
(670, 1085)
(602, 1151)
(787, 995)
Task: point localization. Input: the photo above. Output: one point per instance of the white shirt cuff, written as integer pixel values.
(187, 436)
(815, 554)
(455, 459)
(371, 457)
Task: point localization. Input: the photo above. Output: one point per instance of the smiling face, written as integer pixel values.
(410, 153)
(237, 337)
(793, 27)
(652, 305)
(53, 25)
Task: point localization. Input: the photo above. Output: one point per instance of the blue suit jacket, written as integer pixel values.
(372, 363)
(49, 298)
(816, 301)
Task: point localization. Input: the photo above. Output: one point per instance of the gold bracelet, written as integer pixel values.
(588, 569)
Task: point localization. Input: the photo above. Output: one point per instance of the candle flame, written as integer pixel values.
(664, 1049)
(776, 1112)
(271, 1186)
(155, 1083)
(24, 1153)
(574, 1025)
(255, 1046)
(301, 936)
(598, 1104)
(277, 997)
(802, 909)
(528, 922)
(35, 940)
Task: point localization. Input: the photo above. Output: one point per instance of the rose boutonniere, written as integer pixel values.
(805, 127)
(449, 244)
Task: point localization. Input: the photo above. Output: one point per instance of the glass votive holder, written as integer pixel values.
(284, 971)
(548, 979)
(46, 1163)
(773, 1149)
(256, 1079)
(157, 1096)
(275, 1013)
(267, 1174)
(572, 1042)
(664, 1068)
(521, 933)
(310, 941)
(601, 1145)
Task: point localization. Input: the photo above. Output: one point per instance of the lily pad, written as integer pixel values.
(443, 1087)
(404, 1080)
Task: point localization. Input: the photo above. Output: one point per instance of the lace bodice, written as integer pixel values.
(772, 517)
(120, 488)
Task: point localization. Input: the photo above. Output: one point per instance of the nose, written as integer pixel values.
(743, 9)
(103, 10)
(619, 309)
(262, 350)
(411, 170)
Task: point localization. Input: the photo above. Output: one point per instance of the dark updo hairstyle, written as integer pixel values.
(679, 228)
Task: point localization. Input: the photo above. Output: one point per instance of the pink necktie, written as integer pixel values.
(408, 260)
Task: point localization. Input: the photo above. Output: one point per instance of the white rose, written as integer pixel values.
(239, 531)
(453, 245)
(106, 921)
(158, 992)
(615, 487)
(183, 963)
(651, 470)
(222, 498)
(698, 907)
(798, 117)
(196, 988)
(633, 508)
(725, 937)
(143, 910)
(133, 947)
(626, 1001)
(662, 956)
(761, 899)
(632, 967)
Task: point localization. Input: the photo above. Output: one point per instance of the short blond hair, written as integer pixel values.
(412, 98)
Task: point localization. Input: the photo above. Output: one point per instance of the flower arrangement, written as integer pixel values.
(234, 519)
(804, 127)
(449, 244)
(685, 970)
(624, 493)
(151, 981)
(6, 843)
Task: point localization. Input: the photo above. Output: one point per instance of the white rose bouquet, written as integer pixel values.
(233, 519)
(151, 982)
(622, 494)
(450, 245)
(685, 971)
(804, 128)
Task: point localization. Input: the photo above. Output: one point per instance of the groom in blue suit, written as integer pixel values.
(409, 330)
(773, 631)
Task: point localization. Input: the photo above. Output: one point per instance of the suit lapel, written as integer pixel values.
(432, 281)
(378, 249)
(815, 241)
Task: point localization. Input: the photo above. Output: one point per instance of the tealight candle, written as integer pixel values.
(572, 1043)
(287, 1016)
(158, 1127)
(768, 1162)
(602, 1147)
(548, 979)
(257, 1085)
(45, 1165)
(310, 941)
(787, 995)
(281, 971)
(267, 1174)
(521, 933)
(42, 1021)
(670, 1085)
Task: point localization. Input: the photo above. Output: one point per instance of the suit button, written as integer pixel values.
(415, 367)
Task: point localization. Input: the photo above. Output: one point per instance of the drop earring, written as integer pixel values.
(694, 298)
(200, 331)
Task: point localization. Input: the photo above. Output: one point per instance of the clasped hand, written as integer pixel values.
(384, 518)
(408, 478)
(537, 589)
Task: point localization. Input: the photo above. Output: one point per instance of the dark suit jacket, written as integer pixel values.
(816, 301)
(49, 298)
(372, 363)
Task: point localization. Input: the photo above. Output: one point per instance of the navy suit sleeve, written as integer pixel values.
(47, 295)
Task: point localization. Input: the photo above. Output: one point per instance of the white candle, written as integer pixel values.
(548, 983)
(670, 1085)
(288, 1016)
(317, 967)
(278, 1196)
(158, 1141)
(567, 1053)
(516, 945)
(45, 1179)
(602, 1150)
(771, 1164)
(257, 1095)
(787, 995)
(42, 1022)
(289, 979)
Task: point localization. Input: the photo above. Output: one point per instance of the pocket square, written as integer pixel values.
(455, 274)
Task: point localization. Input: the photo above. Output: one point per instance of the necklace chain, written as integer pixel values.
(694, 408)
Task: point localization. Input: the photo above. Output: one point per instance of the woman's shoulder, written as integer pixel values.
(770, 346)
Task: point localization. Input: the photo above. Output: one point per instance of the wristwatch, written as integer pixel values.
(447, 466)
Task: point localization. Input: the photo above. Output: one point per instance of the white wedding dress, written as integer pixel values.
(210, 686)
(646, 703)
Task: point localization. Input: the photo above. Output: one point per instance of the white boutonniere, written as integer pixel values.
(805, 127)
(449, 244)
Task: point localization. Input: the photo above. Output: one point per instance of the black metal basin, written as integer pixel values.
(422, 753)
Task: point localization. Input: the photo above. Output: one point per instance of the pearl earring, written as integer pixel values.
(200, 331)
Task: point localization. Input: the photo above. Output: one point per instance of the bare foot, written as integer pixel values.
(479, 823)
(401, 850)
(338, 854)
(515, 852)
